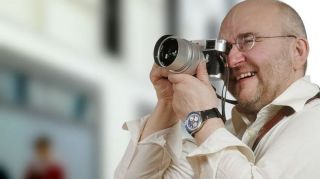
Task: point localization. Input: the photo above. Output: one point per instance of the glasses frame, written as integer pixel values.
(240, 41)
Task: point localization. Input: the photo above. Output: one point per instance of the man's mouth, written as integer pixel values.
(245, 75)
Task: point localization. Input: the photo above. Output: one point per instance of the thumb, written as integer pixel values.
(202, 73)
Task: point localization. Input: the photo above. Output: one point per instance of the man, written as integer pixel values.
(274, 127)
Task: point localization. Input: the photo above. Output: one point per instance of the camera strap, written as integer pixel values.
(284, 111)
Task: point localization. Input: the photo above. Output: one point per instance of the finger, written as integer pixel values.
(202, 73)
(158, 72)
(164, 72)
(153, 72)
(176, 78)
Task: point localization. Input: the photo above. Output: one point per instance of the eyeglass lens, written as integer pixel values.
(245, 41)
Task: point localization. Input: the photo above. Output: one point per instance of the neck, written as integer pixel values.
(251, 115)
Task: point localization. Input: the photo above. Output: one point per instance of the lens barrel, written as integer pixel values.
(177, 55)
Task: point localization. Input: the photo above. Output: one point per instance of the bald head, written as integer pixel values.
(290, 21)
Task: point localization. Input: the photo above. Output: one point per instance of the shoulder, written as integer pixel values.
(303, 124)
(310, 114)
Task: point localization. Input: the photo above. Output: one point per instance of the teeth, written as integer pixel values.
(244, 75)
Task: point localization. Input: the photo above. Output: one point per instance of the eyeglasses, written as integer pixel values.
(245, 42)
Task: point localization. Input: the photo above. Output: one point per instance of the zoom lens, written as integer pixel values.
(177, 55)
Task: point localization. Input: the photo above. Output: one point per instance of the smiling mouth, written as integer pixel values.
(245, 75)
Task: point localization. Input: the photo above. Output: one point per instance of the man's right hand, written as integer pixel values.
(163, 115)
(163, 87)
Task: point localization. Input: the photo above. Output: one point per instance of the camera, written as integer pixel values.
(182, 56)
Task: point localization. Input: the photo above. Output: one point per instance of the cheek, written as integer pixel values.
(275, 74)
(266, 61)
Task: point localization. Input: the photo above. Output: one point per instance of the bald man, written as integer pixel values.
(274, 127)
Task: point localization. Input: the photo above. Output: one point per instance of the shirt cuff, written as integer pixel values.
(135, 128)
(170, 139)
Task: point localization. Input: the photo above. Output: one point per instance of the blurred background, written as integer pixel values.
(72, 71)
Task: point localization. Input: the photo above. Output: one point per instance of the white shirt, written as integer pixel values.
(291, 149)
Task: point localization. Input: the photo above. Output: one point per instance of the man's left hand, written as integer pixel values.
(192, 93)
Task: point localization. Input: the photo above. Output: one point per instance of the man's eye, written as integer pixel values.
(248, 41)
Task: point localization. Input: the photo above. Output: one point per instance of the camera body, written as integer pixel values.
(183, 56)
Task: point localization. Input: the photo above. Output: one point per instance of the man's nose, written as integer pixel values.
(235, 57)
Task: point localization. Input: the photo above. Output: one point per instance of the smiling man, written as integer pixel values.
(274, 127)
(271, 51)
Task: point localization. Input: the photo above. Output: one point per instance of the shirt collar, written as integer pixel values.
(239, 120)
(295, 96)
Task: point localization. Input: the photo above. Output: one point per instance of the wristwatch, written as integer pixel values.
(195, 120)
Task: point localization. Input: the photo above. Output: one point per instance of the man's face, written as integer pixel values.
(262, 73)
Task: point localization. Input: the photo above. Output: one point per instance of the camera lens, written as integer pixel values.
(182, 56)
(168, 51)
(177, 55)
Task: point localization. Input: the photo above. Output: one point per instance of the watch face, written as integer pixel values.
(193, 121)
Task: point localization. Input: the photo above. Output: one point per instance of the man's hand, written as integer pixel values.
(192, 93)
(163, 115)
(163, 87)
(195, 94)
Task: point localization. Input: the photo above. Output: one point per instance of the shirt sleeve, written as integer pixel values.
(217, 152)
(160, 155)
(165, 155)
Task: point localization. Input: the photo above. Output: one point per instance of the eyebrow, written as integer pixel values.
(245, 33)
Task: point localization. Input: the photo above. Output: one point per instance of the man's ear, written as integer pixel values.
(300, 53)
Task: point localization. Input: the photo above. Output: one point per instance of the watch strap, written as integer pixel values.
(205, 115)
(210, 113)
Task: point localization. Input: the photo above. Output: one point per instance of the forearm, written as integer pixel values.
(150, 161)
(160, 155)
(233, 164)
(211, 153)
(224, 156)
(161, 118)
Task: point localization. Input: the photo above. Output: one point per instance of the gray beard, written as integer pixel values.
(257, 102)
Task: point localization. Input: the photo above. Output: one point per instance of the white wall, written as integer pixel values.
(65, 37)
